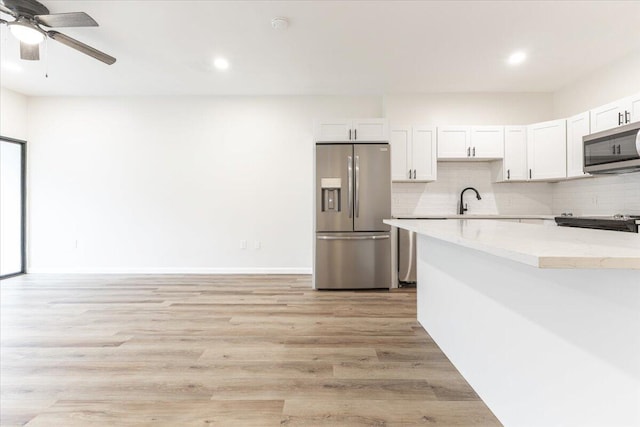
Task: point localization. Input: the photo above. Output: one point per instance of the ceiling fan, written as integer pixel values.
(31, 16)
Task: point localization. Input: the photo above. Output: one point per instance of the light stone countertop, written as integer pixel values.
(533, 244)
(474, 216)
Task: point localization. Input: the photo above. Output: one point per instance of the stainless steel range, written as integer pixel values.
(618, 222)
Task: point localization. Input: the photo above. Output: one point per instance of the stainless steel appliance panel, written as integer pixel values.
(406, 256)
(334, 187)
(372, 187)
(613, 151)
(353, 261)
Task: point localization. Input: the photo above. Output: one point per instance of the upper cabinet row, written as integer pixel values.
(547, 151)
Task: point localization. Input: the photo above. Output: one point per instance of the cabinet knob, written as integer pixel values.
(349, 134)
(508, 173)
(627, 117)
(355, 134)
(468, 151)
(474, 151)
(529, 173)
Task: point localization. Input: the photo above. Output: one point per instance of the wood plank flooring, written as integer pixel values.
(196, 350)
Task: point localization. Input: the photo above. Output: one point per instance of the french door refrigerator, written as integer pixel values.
(353, 196)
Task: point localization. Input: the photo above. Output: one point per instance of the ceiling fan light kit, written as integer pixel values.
(29, 18)
(26, 33)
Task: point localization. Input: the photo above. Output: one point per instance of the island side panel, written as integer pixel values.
(539, 346)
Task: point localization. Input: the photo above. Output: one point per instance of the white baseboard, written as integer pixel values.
(169, 270)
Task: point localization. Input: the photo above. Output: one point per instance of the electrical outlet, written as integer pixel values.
(256, 244)
(243, 244)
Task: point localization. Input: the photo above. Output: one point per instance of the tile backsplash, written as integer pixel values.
(601, 195)
(443, 195)
(590, 196)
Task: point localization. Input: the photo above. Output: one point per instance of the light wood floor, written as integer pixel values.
(220, 350)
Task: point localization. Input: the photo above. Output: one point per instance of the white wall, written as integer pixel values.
(469, 109)
(612, 82)
(13, 114)
(174, 184)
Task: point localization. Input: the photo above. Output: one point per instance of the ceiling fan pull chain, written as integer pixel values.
(46, 54)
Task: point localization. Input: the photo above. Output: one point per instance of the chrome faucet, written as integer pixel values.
(463, 207)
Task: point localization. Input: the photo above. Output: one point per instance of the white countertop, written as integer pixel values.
(474, 216)
(535, 245)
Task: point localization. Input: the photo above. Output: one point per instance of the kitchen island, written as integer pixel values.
(543, 322)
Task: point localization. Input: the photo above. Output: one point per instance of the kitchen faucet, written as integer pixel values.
(463, 208)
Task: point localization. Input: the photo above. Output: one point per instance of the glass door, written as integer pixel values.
(12, 207)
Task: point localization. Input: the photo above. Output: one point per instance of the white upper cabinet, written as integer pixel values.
(454, 142)
(413, 153)
(618, 113)
(577, 127)
(400, 140)
(366, 130)
(514, 166)
(487, 142)
(354, 130)
(470, 142)
(424, 153)
(547, 150)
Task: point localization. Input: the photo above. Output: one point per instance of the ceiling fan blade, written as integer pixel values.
(29, 52)
(81, 47)
(73, 19)
(6, 10)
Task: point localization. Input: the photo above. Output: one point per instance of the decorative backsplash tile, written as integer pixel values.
(602, 195)
(605, 195)
(442, 196)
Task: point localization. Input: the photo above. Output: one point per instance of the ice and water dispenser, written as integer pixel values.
(331, 188)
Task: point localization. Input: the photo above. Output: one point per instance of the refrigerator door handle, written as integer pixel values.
(350, 184)
(357, 186)
(353, 237)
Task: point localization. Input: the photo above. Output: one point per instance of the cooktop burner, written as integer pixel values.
(617, 222)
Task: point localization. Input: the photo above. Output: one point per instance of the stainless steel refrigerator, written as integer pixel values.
(353, 196)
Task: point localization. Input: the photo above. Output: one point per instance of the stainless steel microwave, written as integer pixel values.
(613, 151)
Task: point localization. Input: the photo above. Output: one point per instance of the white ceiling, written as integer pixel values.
(331, 47)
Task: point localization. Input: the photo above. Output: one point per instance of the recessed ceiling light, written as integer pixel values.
(280, 23)
(11, 66)
(221, 63)
(517, 58)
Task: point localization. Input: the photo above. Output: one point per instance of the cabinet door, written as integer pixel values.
(366, 130)
(453, 142)
(487, 142)
(607, 116)
(400, 140)
(332, 130)
(577, 127)
(547, 150)
(515, 153)
(634, 107)
(424, 152)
